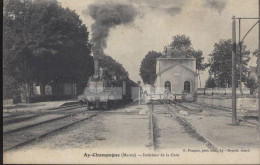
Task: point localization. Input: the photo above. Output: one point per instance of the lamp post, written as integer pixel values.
(139, 82)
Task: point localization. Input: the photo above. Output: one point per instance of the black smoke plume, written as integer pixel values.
(107, 16)
(173, 10)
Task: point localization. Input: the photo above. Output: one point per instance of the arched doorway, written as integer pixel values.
(167, 86)
(186, 87)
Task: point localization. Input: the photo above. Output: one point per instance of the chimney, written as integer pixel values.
(96, 65)
(169, 52)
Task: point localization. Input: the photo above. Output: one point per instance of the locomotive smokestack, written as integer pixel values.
(96, 56)
(96, 65)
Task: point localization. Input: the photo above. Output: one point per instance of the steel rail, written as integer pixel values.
(189, 126)
(21, 119)
(40, 137)
(40, 123)
(35, 124)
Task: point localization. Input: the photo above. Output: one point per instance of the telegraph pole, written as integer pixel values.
(240, 57)
(234, 101)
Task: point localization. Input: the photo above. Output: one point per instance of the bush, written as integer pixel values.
(252, 84)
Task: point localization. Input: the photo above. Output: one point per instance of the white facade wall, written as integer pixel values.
(177, 71)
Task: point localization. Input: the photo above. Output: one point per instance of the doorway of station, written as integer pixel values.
(186, 87)
(167, 86)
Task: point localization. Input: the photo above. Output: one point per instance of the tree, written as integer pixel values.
(111, 65)
(220, 63)
(183, 44)
(9, 86)
(256, 54)
(180, 42)
(45, 43)
(148, 67)
(210, 83)
(251, 83)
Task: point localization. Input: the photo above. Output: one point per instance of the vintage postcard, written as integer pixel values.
(131, 82)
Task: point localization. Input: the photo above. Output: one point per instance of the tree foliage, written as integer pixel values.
(256, 54)
(251, 83)
(220, 63)
(9, 86)
(183, 44)
(148, 67)
(180, 42)
(210, 83)
(113, 66)
(44, 43)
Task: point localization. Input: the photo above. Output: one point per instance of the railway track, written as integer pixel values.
(23, 136)
(243, 116)
(11, 116)
(31, 123)
(24, 116)
(36, 124)
(63, 108)
(19, 118)
(249, 117)
(172, 108)
(37, 131)
(188, 126)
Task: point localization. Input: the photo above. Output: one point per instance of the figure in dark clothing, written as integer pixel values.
(145, 93)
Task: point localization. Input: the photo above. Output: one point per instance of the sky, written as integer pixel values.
(155, 22)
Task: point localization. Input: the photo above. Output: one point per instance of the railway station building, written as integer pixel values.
(176, 72)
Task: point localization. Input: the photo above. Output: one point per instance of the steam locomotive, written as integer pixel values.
(105, 90)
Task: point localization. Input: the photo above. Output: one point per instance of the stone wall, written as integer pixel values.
(243, 102)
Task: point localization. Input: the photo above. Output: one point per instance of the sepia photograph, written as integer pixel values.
(131, 82)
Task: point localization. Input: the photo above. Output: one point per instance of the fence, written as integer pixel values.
(8, 102)
(221, 91)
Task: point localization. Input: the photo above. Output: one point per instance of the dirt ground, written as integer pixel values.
(112, 129)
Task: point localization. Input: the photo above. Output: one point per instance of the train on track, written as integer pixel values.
(105, 90)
